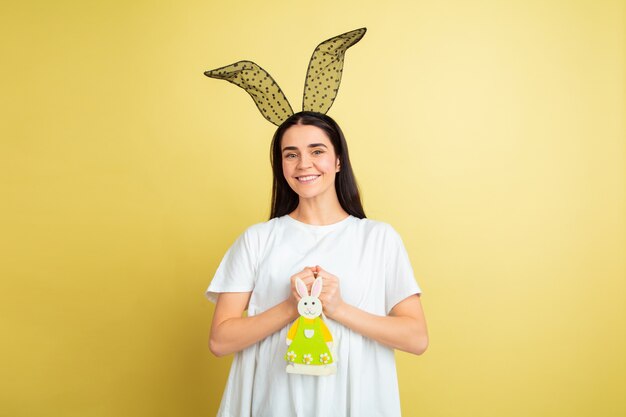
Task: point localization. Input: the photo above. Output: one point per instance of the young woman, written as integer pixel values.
(370, 298)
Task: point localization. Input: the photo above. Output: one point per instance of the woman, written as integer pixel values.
(317, 229)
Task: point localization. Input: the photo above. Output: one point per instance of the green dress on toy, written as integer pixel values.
(310, 342)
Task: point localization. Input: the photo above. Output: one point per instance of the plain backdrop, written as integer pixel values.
(490, 134)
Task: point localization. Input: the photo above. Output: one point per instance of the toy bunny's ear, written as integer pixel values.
(324, 74)
(301, 288)
(316, 289)
(265, 92)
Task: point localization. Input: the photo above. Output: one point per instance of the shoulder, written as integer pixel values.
(259, 228)
(256, 235)
(262, 229)
(375, 228)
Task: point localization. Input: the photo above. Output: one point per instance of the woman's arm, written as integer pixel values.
(232, 332)
(404, 328)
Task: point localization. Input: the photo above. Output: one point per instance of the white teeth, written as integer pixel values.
(307, 178)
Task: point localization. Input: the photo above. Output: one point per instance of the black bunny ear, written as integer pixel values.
(265, 92)
(324, 74)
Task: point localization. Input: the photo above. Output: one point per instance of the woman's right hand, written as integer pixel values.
(307, 275)
(232, 332)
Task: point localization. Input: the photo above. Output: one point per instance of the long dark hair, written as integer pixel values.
(284, 199)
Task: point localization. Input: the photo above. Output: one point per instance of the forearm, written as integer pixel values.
(237, 333)
(405, 333)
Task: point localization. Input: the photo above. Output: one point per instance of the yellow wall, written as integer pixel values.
(489, 133)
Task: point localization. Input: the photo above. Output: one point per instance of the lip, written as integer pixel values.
(306, 179)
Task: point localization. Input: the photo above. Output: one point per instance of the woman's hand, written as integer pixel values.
(331, 293)
(404, 328)
(230, 332)
(307, 275)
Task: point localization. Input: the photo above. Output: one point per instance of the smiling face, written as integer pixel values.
(309, 162)
(310, 307)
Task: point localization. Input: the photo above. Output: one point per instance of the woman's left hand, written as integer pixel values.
(331, 293)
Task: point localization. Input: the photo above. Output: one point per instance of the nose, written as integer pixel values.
(304, 161)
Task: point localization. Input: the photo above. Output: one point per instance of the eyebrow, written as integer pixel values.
(312, 145)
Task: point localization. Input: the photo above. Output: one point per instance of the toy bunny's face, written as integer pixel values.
(309, 306)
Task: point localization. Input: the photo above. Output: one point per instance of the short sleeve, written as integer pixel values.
(237, 270)
(399, 278)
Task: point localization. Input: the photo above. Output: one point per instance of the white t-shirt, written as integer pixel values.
(374, 273)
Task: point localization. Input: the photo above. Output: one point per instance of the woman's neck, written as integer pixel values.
(311, 212)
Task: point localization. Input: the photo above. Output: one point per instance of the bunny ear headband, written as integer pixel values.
(320, 88)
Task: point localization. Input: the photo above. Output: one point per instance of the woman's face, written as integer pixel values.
(309, 162)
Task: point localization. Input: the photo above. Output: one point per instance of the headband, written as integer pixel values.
(320, 87)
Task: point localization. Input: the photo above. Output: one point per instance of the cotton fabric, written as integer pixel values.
(374, 272)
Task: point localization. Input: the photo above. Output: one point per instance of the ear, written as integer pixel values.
(327, 64)
(338, 166)
(316, 290)
(267, 95)
(301, 288)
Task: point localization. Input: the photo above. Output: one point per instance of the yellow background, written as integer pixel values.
(490, 134)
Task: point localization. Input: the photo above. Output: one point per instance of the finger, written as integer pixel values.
(305, 272)
(323, 272)
(329, 282)
(304, 275)
(330, 277)
(307, 281)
